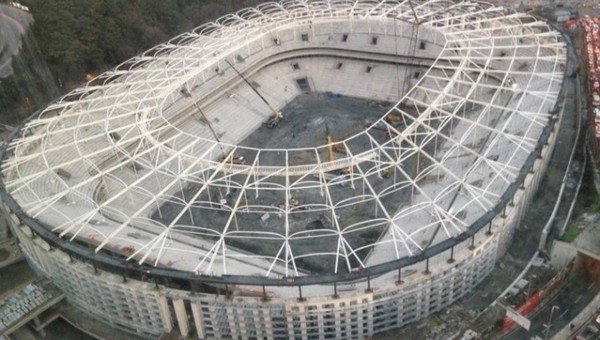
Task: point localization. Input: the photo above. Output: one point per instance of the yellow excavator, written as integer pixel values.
(333, 148)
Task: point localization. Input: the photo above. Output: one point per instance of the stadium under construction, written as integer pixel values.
(302, 169)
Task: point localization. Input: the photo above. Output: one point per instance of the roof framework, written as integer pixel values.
(104, 163)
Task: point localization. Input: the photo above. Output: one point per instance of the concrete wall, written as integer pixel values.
(357, 314)
(562, 253)
(11, 247)
(393, 38)
(3, 229)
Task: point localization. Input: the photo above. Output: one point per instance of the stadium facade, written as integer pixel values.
(130, 192)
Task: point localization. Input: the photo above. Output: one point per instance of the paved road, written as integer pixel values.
(578, 291)
(586, 329)
(13, 23)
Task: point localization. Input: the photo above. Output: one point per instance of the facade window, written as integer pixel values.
(296, 66)
(344, 37)
(304, 36)
(374, 41)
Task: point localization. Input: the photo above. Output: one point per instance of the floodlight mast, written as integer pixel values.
(274, 120)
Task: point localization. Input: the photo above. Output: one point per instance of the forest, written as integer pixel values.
(71, 39)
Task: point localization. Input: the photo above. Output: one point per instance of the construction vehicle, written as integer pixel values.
(275, 118)
(387, 172)
(394, 118)
(332, 148)
(335, 147)
(232, 159)
(532, 9)
(340, 148)
(382, 127)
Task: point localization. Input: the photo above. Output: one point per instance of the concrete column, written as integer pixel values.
(348, 325)
(165, 313)
(303, 322)
(37, 323)
(181, 315)
(320, 323)
(268, 325)
(289, 316)
(359, 321)
(234, 326)
(198, 319)
(338, 324)
(370, 314)
(261, 331)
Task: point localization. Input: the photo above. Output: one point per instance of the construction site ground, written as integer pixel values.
(308, 120)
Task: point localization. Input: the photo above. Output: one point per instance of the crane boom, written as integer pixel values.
(412, 9)
(276, 114)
